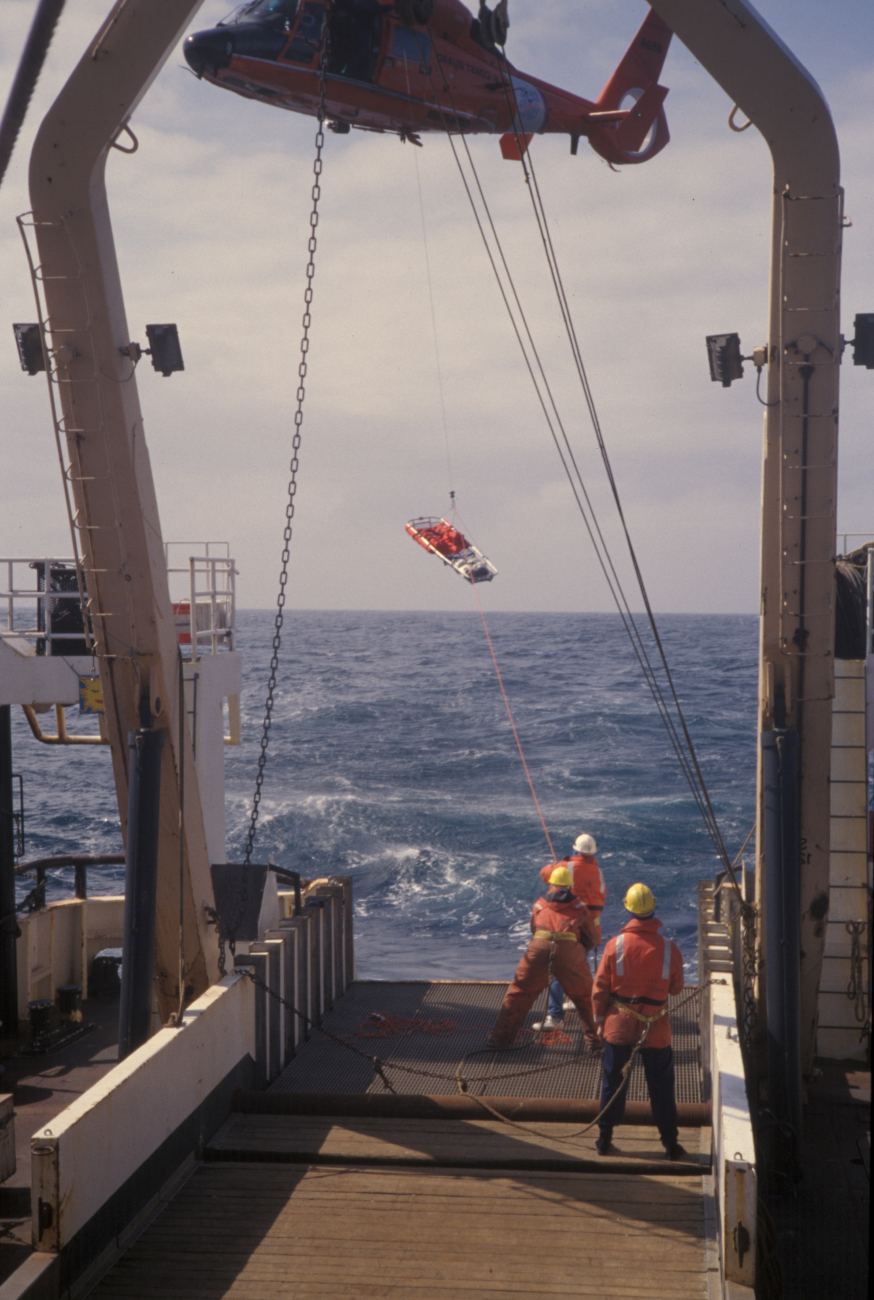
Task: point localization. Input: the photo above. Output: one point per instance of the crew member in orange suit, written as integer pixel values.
(638, 970)
(563, 931)
(590, 887)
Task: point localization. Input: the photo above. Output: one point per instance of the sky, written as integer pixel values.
(211, 222)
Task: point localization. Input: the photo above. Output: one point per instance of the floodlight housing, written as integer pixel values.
(863, 343)
(30, 353)
(164, 348)
(723, 353)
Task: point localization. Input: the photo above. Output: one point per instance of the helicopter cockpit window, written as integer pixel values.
(307, 40)
(411, 45)
(276, 12)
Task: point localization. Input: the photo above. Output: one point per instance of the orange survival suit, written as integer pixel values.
(562, 926)
(588, 883)
(638, 970)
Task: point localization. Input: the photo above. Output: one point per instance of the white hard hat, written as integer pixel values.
(585, 844)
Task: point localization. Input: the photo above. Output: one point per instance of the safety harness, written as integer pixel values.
(625, 1009)
(629, 1011)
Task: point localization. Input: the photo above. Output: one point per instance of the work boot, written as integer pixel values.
(547, 1024)
(676, 1151)
(604, 1143)
(501, 1044)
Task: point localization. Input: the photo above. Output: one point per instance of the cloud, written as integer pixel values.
(211, 223)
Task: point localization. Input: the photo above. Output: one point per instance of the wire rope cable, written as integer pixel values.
(30, 65)
(461, 1081)
(431, 299)
(567, 318)
(679, 737)
(457, 515)
(434, 325)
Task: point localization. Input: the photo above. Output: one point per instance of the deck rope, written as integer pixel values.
(380, 1065)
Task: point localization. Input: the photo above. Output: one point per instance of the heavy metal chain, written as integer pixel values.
(747, 921)
(227, 933)
(380, 1065)
(295, 445)
(856, 985)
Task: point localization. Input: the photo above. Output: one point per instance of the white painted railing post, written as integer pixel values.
(734, 1153)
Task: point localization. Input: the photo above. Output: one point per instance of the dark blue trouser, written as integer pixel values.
(556, 1000)
(658, 1066)
(555, 1006)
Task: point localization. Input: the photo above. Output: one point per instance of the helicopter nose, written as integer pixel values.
(208, 51)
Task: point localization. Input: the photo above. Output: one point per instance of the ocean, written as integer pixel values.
(392, 759)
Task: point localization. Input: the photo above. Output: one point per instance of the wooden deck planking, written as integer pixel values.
(284, 1232)
(296, 1282)
(399, 1141)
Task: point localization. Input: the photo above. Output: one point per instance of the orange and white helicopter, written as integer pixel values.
(409, 66)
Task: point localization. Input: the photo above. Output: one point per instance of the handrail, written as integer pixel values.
(293, 877)
(46, 605)
(70, 860)
(81, 862)
(62, 736)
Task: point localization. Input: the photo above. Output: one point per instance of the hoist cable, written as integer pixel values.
(434, 323)
(567, 317)
(688, 763)
(457, 515)
(686, 755)
(605, 559)
(430, 285)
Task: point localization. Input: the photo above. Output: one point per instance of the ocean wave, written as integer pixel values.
(391, 758)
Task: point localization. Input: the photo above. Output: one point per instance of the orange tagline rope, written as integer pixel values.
(507, 703)
(377, 1025)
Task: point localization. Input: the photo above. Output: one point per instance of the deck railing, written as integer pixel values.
(309, 959)
(41, 599)
(204, 596)
(90, 1167)
(734, 1154)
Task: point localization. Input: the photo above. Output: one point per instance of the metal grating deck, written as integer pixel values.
(467, 1011)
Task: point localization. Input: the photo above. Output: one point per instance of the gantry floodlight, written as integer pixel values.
(723, 352)
(30, 352)
(863, 343)
(164, 348)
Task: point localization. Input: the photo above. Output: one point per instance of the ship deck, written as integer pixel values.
(424, 1029)
(44, 1084)
(353, 1206)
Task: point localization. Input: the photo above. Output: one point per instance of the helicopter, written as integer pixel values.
(414, 66)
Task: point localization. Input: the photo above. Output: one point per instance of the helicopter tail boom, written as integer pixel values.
(632, 132)
(634, 91)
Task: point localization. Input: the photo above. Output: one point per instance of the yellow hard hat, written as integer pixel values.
(640, 900)
(561, 876)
